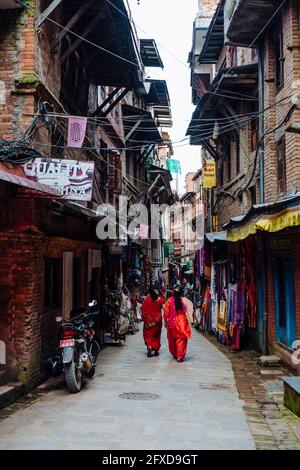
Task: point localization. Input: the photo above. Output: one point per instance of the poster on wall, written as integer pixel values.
(73, 179)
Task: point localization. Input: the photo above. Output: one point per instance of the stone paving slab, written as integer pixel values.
(198, 406)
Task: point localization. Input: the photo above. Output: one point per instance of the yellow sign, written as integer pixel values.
(209, 173)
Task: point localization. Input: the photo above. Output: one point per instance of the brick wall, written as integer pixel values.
(28, 329)
(207, 8)
(273, 117)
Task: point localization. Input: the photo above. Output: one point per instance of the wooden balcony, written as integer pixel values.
(245, 19)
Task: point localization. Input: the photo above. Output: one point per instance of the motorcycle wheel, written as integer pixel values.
(73, 377)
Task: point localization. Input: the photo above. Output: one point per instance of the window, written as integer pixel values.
(253, 195)
(281, 166)
(279, 59)
(53, 282)
(237, 154)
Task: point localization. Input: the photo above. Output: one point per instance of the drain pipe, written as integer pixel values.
(262, 193)
(261, 124)
(266, 297)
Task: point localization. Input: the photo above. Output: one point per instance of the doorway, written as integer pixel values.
(285, 305)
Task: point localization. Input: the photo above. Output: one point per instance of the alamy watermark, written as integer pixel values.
(140, 221)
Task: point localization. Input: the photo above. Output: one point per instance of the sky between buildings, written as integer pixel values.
(170, 23)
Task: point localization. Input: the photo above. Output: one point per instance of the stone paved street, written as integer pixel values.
(198, 405)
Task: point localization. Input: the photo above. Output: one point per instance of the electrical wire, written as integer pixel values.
(145, 32)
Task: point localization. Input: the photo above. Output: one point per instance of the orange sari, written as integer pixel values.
(152, 317)
(178, 329)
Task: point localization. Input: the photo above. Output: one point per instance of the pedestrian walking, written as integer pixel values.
(152, 317)
(176, 322)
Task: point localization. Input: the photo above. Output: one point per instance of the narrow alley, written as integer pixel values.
(192, 405)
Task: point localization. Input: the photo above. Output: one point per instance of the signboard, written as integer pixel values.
(168, 250)
(173, 165)
(73, 179)
(209, 173)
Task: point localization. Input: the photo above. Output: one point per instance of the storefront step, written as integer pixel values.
(10, 393)
(269, 361)
(292, 394)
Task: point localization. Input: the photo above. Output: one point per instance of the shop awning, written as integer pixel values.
(27, 183)
(272, 217)
(216, 236)
(140, 127)
(150, 54)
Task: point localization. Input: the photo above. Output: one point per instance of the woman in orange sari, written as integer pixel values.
(152, 317)
(177, 325)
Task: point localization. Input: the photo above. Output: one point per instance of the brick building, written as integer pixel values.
(253, 137)
(59, 59)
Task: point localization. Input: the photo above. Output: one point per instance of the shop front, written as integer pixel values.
(275, 228)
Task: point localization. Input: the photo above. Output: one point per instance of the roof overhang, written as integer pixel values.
(27, 183)
(10, 4)
(214, 40)
(158, 93)
(202, 124)
(105, 27)
(140, 127)
(156, 170)
(246, 19)
(150, 54)
(187, 196)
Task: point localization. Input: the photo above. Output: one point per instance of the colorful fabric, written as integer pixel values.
(152, 317)
(177, 346)
(181, 329)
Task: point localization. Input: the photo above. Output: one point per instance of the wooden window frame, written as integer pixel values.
(279, 55)
(238, 154)
(281, 165)
(53, 283)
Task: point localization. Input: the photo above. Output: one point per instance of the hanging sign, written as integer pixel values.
(173, 166)
(76, 131)
(73, 179)
(209, 173)
(168, 250)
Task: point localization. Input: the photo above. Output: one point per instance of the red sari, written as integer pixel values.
(178, 329)
(152, 317)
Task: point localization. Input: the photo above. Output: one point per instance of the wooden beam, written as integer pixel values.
(72, 21)
(117, 100)
(83, 35)
(43, 16)
(106, 101)
(134, 128)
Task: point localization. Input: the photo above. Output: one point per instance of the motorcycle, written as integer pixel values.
(78, 349)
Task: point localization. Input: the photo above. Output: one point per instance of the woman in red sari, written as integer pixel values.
(177, 325)
(152, 317)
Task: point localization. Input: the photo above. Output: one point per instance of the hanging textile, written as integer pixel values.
(248, 282)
